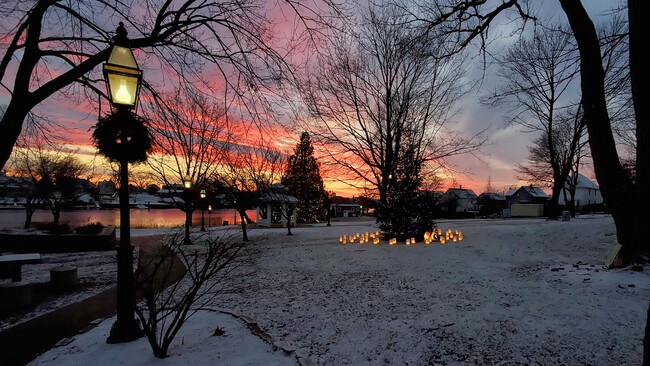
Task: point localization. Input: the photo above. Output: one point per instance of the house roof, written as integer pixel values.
(278, 193)
(584, 182)
(532, 191)
(461, 193)
(493, 196)
(536, 192)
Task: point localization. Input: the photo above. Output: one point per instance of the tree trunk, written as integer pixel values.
(289, 214)
(640, 77)
(554, 206)
(188, 223)
(289, 227)
(30, 207)
(646, 339)
(10, 126)
(616, 187)
(243, 216)
(57, 215)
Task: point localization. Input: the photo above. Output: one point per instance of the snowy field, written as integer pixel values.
(514, 292)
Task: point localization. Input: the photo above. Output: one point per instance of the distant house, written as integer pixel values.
(346, 209)
(526, 201)
(587, 193)
(457, 200)
(526, 194)
(489, 203)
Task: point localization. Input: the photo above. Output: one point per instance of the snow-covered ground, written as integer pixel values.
(508, 294)
(197, 346)
(514, 292)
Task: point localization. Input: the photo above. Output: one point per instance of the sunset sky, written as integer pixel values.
(507, 145)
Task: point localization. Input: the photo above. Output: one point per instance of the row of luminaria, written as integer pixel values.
(438, 235)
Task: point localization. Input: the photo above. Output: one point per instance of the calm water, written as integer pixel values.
(140, 218)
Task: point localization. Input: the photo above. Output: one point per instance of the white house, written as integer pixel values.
(459, 200)
(587, 193)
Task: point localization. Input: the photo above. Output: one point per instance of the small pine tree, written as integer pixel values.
(409, 212)
(303, 180)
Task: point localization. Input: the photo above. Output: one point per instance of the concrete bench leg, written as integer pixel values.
(65, 277)
(15, 296)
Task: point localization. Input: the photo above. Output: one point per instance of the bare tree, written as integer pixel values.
(168, 301)
(489, 188)
(248, 171)
(23, 164)
(53, 49)
(54, 176)
(536, 72)
(569, 141)
(191, 138)
(381, 90)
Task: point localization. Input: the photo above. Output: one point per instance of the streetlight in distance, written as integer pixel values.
(203, 210)
(187, 193)
(123, 77)
(209, 213)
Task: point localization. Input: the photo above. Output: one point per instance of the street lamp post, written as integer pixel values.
(203, 210)
(209, 213)
(123, 78)
(187, 192)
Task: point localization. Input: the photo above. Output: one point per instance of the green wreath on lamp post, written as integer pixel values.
(108, 130)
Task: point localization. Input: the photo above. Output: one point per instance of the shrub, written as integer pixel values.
(53, 229)
(92, 228)
(168, 301)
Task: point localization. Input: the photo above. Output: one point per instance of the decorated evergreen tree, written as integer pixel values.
(304, 181)
(408, 212)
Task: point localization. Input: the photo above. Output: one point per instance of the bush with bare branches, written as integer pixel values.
(171, 296)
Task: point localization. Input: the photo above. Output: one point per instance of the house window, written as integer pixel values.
(338, 209)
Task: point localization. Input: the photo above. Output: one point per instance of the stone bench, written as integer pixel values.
(15, 296)
(11, 264)
(64, 277)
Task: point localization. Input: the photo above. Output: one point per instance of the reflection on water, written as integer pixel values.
(140, 218)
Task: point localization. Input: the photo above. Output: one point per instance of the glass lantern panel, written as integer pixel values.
(123, 89)
(122, 56)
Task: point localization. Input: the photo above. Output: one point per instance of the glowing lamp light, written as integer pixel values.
(202, 193)
(375, 241)
(408, 241)
(187, 182)
(123, 96)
